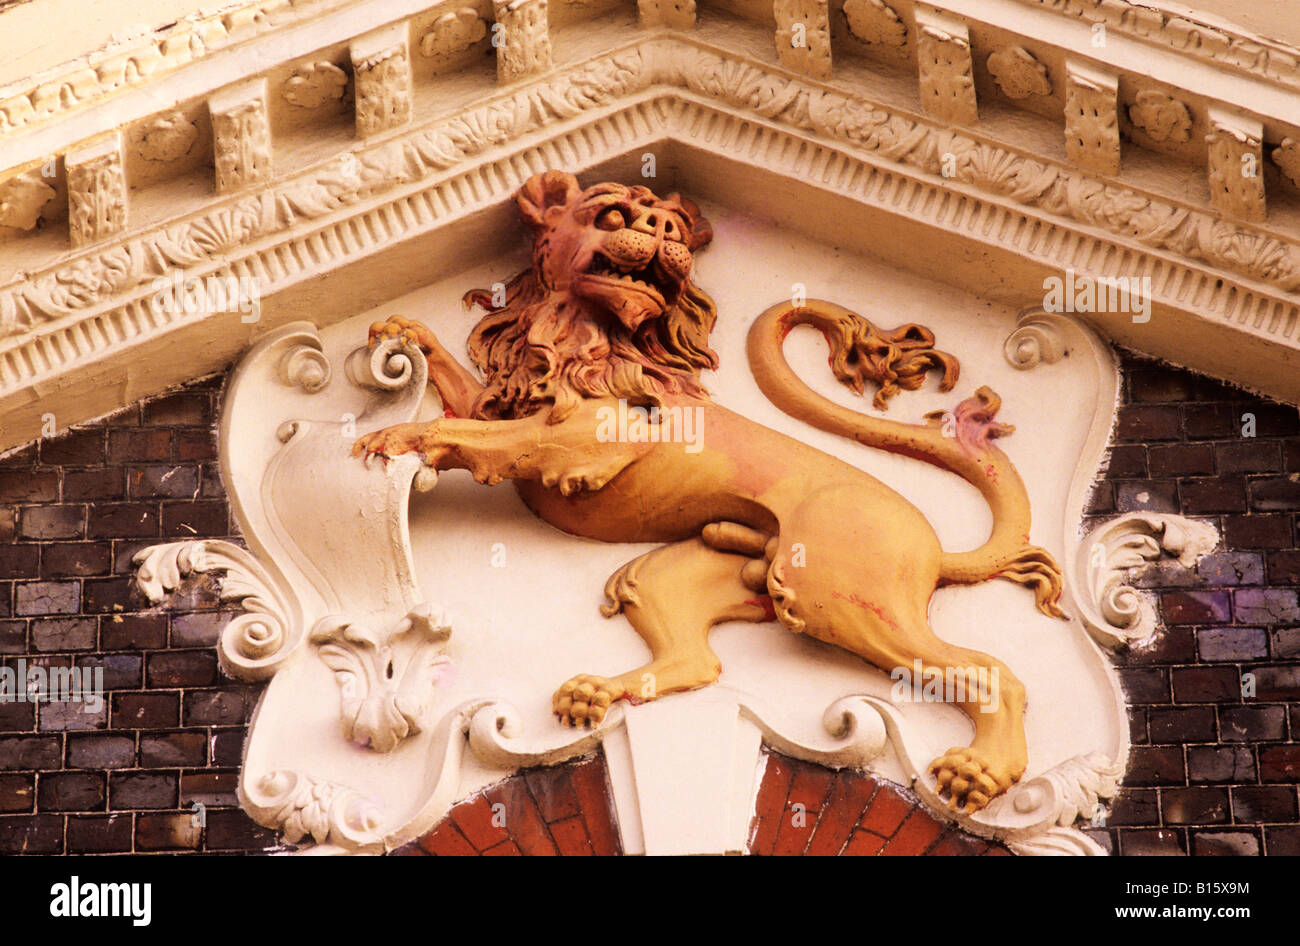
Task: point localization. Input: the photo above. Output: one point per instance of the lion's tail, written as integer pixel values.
(960, 441)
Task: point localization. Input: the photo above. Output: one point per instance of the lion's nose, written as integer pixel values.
(656, 223)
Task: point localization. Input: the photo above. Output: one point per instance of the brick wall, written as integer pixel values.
(73, 510)
(1212, 772)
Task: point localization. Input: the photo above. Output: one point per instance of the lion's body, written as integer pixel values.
(756, 525)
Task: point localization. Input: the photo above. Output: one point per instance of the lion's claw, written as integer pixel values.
(969, 782)
(408, 331)
(585, 699)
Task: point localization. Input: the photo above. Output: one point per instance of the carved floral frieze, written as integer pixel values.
(1018, 73)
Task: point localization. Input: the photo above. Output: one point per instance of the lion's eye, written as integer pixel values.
(611, 219)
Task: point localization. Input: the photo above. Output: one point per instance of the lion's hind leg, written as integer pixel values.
(672, 597)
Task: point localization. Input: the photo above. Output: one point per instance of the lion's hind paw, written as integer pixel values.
(969, 782)
(585, 699)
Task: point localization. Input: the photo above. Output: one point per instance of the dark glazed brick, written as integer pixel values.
(47, 597)
(1230, 568)
(1257, 532)
(1279, 764)
(1135, 806)
(131, 790)
(1149, 423)
(133, 631)
(1195, 607)
(1232, 643)
(162, 482)
(1156, 766)
(31, 834)
(1162, 843)
(1145, 685)
(17, 793)
(93, 485)
(22, 486)
(1225, 844)
(20, 561)
(52, 522)
(145, 710)
(78, 448)
(1182, 459)
(1281, 493)
(1266, 606)
(108, 834)
(1146, 496)
(186, 668)
(1181, 724)
(223, 707)
(1220, 764)
(194, 519)
(52, 635)
(1263, 803)
(1127, 461)
(1194, 806)
(75, 559)
(162, 750)
(71, 791)
(1249, 456)
(133, 445)
(1252, 723)
(177, 410)
(1206, 685)
(1202, 496)
(123, 521)
(100, 751)
(1284, 567)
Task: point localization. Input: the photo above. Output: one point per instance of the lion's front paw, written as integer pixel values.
(408, 331)
(390, 442)
(585, 699)
(969, 780)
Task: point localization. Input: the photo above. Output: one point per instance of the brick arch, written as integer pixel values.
(567, 810)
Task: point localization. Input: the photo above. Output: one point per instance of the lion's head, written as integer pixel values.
(607, 309)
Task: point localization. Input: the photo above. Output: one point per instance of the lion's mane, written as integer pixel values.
(544, 349)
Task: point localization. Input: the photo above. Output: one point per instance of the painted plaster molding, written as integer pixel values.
(1018, 73)
(947, 75)
(1236, 164)
(803, 36)
(1114, 553)
(873, 21)
(381, 66)
(241, 136)
(97, 201)
(1092, 118)
(64, 316)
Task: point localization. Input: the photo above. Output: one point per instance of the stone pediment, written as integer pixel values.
(339, 155)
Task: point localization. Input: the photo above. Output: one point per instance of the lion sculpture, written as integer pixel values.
(755, 526)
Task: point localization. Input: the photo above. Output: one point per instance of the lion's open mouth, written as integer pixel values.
(605, 271)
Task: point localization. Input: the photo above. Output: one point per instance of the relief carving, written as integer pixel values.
(96, 193)
(383, 91)
(1236, 167)
(1287, 157)
(313, 85)
(1018, 73)
(168, 137)
(803, 36)
(873, 22)
(525, 46)
(241, 138)
(22, 198)
(1162, 117)
(1092, 121)
(674, 14)
(611, 274)
(947, 83)
(452, 33)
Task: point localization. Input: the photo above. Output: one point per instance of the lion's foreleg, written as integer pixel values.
(671, 597)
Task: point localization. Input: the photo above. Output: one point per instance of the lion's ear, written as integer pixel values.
(701, 229)
(543, 191)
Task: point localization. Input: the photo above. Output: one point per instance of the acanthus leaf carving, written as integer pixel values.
(302, 807)
(872, 21)
(253, 645)
(168, 137)
(1114, 611)
(1162, 117)
(314, 84)
(452, 33)
(1018, 73)
(22, 198)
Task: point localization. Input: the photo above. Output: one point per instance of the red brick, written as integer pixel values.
(915, 835)
(863, 844)
(1195, 607)
(196, 443)
(770, 804)
(552, 792)
(956, 844)
(20, 561)
(447, 841)
(809, 787)
(523, 820)
(504, 849)
(589, 783)
(887, 812)
(475, 819)
(570, 836)
(848, 798)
